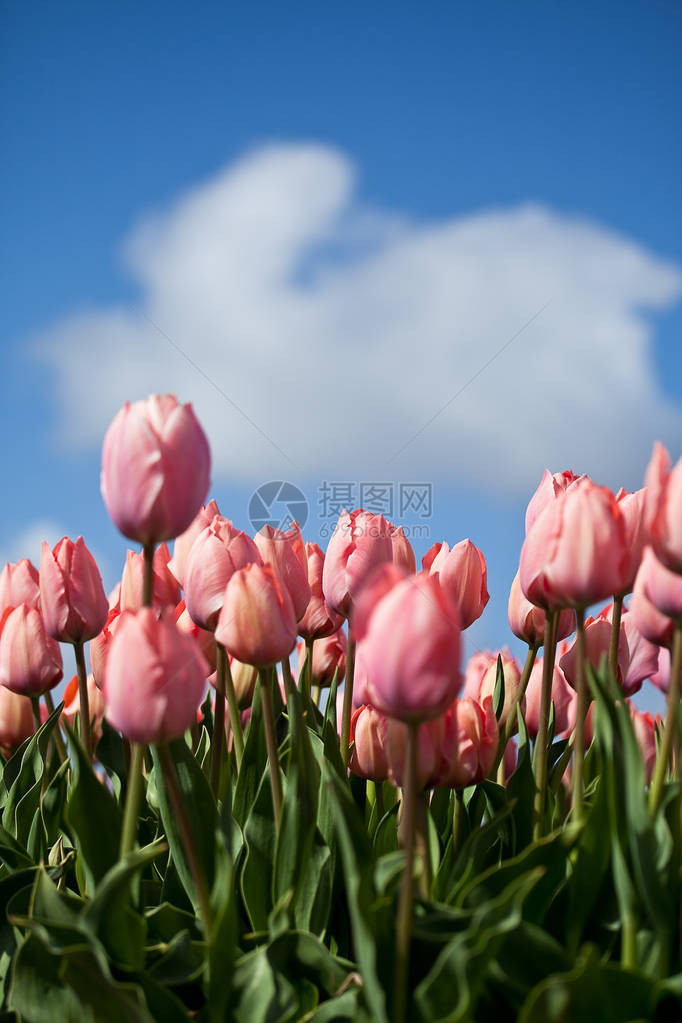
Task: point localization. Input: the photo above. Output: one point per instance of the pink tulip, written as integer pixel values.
(216, 554)
(463, 572)
(663, 508)
(429, 751)
(319, 620)
(244, 677)
(576, 551)
(286, 553)
(257, 623)
(662, 587)
(369, 733)
(72, 597)
(16, 720)
(360, 543)
(549, 488)
(329, 656)
(156, 466)
(95, 703)
(562, 696)
(115, 598)
(528, 621)
(511, 669)
(183, 543)
(19, 584)
(100, 645)
(656, 626)
(411, 650)
(205, 640)
(154, 677)
(632, 507)
(661, 677)
(376, 586)
(471, 745)
(30, 660)
(403, 554)
(165, 590)
(589, 720)
(645, 731)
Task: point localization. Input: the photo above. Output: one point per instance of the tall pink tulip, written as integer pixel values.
(549, 488)
(462, 571)
(319, 620)
(360, 543)
(154, 677)
(257, 623)
(156, 466)
(663, 509)
(183, 543)
(527, 621)
(205, 640)
(30, 660)
(471, 747)
(72, 597)
(216, 554)
(329, 657)
(165, 589)
(369, 733)
(19, 584)
(403, 554)
(16, 720)
(287, 555)
(632, 507)
(511, 669)
(411, 650)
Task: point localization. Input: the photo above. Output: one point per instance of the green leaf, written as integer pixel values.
(254, 763)
(498, 692)
(259, 838)
(93, 816)
(22, 781)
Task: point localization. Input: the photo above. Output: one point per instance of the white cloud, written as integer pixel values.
(340, 330)
(27, 543)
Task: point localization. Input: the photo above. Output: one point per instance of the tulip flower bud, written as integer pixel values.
(156, 467)
(95, 703)
(562, 696)
(19, 584)
(369, 733)
(183, 543)
(205, 640)
(663, 508)
(644, 726)
(549, 488)
(286, 553)
(576, 551)
(165, 590)
(216, 554)
(463, 572)
(511, 669)
(329, 656)
(72, 597)
(403, 554)
(360, 543)
(319, 620)
(528, 621)
(257, 623)
(471, 745)
(30, 660)
(411, 650)
(16, 720)
(429, 751)
(154, 677)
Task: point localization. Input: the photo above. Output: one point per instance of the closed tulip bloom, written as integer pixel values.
(319, 620)
(429, 751)
(462, 571)
(662, 587)
(632, 507)
(411, 650)
(30, 660)
(656, 626)
(183, 543)
(511, 669)
(286, 553)
(244, 677)
(471, 747)
(19, 584)
(403, 554)
(360, 543)
(100, 645)
(16, 720)
(257, 623)
(156, 466)
(663, 508)
(597, 640)
(376, 586)
(329, 657)
(154, 677)
(165, 589)
(369, 733)
(204, 639)
(549, 488)
(528, 621)
(216, 554)
(95, 703)
(562, 696)
(72, 597)
(644, 726)
(576, 551)
(661, 677)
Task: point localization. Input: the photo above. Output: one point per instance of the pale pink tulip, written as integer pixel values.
(360, 543)
(257, 623)
(16, 720)
(369, 733)
(319, 620)
(329, 657)
(528, 621)
(165, 589)
(216, 554)
(663, 509)
(72, 598)
(30, 660)
(462, 571)
(19, 584)
(183, 543)
(471, 745)
(287, 555)
(549, 488)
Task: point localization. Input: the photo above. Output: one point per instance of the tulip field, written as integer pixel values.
(276, 790)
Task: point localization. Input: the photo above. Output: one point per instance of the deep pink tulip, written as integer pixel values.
(645, 730)
(462, 571)
(562, 696)
(257, 623)
(319, 620)
(369, 733)
(16, 720)
(72, 598)
(471, 745)
(632, 508)
(650, 620)
(576, 551)
(72, 706)
(286, 553)
(329, 656)
(154, 677)
(183, 543)
(202, 637)
(429, 751)
(216, 554)
(549, 488)
(528, 621)
(663, 509)
(165, 589)
(30, 660)
(360, 543)
(100, 645)
(403, 553)
(156, 466)
(19, 584)
(411, 650)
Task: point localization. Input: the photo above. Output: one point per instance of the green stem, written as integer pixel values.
(235, 714)
(35, 704)
(56, 735)
(543, 724)
(218, 739)
(615, 634)
(422, 840)
(133, 799)
(271, 740)
(404, 928)
(287, 677)
(148, 589)
(379, 793)
(628, 948)
(457, 820)
(86, 736)
(316, 694)
(670, 740)
(180, 810)
(347, 701)
(307, 681)
(581, 714)
(510, 723)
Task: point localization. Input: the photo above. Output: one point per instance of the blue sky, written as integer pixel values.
(419, 181)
